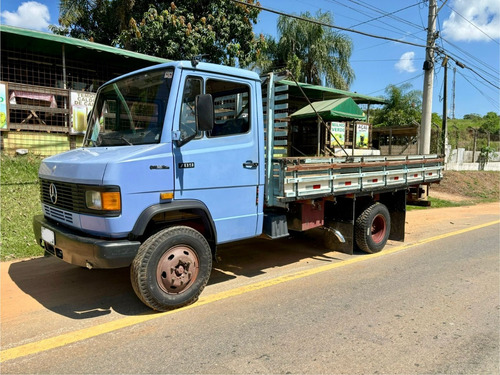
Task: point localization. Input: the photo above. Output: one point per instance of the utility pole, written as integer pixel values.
(444, 130)
(425, 129)
(453, 94)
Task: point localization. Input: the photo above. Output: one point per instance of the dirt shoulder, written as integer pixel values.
(467, 186)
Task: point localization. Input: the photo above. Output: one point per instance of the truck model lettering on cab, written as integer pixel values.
(186, 165)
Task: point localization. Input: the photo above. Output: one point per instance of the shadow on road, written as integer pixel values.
(79, 293)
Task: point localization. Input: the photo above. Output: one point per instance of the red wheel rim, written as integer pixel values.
(379, 227)
(177, 269)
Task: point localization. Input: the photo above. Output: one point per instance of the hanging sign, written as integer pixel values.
(81, 104)
(362, 135)
(337, 131)
(3, 106)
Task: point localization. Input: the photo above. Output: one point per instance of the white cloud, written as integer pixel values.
(478, 20)
(405, 63)
(29, 15)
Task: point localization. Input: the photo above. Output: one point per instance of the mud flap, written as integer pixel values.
(340, 216)
(396, 204)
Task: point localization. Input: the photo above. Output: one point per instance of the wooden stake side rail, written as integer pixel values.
(314, 177)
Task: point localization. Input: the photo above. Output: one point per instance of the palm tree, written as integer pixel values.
(315, 53)
(98, 20)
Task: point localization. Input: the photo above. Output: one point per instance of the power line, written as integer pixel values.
(438, 49)
(400, 83)
(372, 60)
(376, 10)
(473, 24)
(383, 13)
(490, 99)
(327, 25)
(473, 57)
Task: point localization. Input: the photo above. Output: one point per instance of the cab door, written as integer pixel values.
(220, 168)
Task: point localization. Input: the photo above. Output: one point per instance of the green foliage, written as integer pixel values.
(20, 200)
(221, 30)
(472, 116)
(313, 53)
(436, 119)
(491, 122)
(97, 20)
(403, 106)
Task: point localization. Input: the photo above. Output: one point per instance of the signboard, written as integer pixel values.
(81, 103)
(337, 130)
(362, 135)
(4, 112)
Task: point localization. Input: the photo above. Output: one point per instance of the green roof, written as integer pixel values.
(47, 43)
(332, 110)
(324, 93)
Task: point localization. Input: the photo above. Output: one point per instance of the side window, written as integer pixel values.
(192, 88)
(231, 106)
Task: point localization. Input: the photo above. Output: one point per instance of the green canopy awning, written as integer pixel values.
(343, 109)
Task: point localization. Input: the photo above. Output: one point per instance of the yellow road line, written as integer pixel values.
(86, 333)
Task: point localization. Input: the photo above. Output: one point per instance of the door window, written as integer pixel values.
(231, 107)
(192, 88)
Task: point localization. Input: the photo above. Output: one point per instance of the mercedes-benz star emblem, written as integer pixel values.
(53, 193)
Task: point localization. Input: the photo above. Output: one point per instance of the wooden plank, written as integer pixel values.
(36, 108)
(37, 89)
(278, 107)
(278, 98)
(281, 88)
(39, 127)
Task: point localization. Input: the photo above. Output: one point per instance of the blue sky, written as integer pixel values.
(469, 31)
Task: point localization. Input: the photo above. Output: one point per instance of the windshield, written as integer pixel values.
(130, 111)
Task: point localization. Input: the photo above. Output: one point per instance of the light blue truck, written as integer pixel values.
(179, 158)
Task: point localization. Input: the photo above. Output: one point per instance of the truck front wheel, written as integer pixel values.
(171, 268)
(372, 228)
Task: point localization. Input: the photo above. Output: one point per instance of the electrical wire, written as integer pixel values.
(473, 24)
(398, 84)
(328, 25)
(366, 5)
(394, 28)
(492, 101)
(438, 49)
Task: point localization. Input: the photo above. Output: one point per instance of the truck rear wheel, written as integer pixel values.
(372, 228)
(171, 268)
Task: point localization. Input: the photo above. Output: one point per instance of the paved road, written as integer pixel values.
(276, 307)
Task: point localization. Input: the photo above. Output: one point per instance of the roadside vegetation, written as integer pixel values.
(20, 200)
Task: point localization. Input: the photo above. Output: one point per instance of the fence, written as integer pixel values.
(40, 119)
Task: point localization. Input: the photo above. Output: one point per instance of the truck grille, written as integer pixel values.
(70, 197)
(61, 199)
(60, 215)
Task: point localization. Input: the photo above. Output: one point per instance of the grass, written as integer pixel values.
(20, 201)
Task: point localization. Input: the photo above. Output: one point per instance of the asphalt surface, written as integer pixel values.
(288, 306)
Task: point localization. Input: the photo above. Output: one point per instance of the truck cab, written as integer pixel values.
(147, 165)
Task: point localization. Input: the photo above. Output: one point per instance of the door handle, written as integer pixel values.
(250, 164)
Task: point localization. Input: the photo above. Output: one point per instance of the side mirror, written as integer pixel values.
(204, 112)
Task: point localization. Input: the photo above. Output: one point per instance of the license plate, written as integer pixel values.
(48, 236)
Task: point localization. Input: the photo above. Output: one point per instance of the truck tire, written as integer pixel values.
(372, 228)
(171, 268)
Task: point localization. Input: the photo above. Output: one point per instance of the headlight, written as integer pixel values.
(103, 200)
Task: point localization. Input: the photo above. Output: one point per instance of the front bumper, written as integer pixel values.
(85, 251)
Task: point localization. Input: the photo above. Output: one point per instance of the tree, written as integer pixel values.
(472, 116)
(313, 53)
(220, 29)
(403, 107)
(96, 20)
(491, 123)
